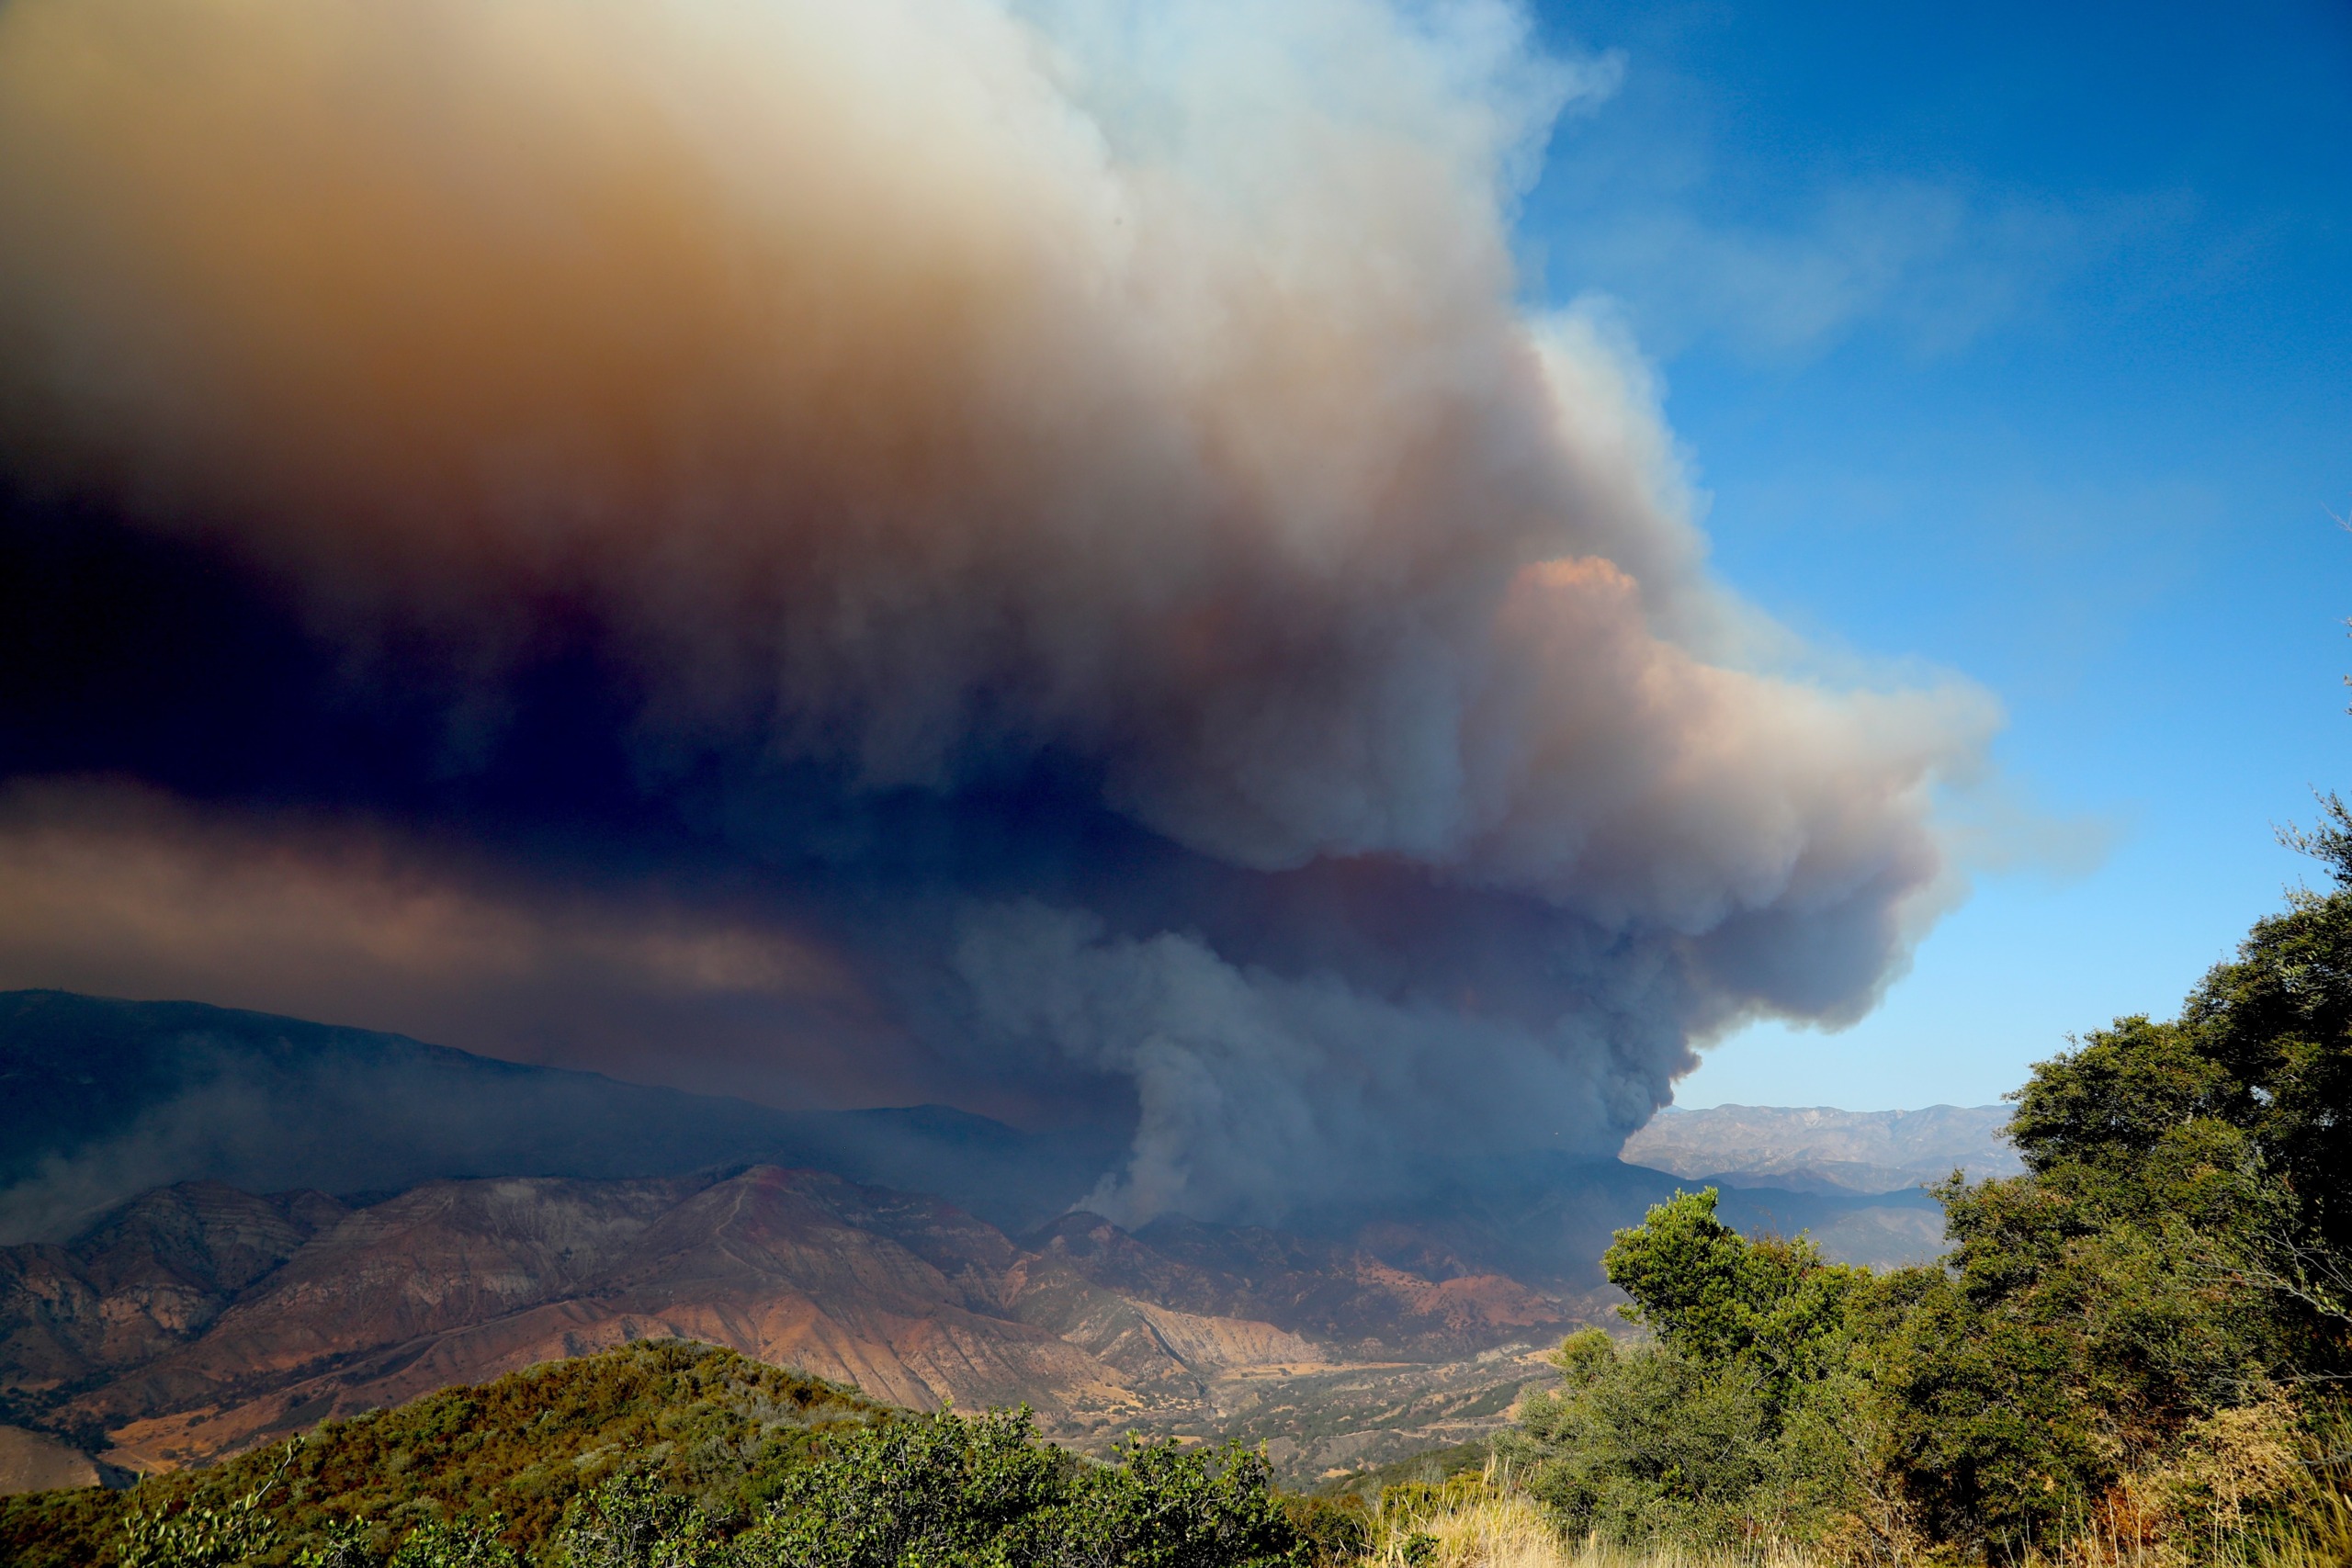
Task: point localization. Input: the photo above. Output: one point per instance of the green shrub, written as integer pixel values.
(631, 1522)
(944, 1489)
(463, 1543)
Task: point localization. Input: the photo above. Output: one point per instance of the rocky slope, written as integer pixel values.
(35, 1461)
(143, 1282)
(200, 1320)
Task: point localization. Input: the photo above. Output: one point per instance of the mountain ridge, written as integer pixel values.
(103, 1099)
(1825, 1150)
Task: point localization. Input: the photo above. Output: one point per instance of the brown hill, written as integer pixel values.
(199, 1320)
(148, 1278)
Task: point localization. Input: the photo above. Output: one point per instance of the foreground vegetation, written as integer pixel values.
(715, 1427)
(677, 1455)
(2137, 1350)
(1491, 1523)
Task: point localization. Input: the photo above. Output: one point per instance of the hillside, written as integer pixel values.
(102, 1100)
(199, 1320)
(1822, 1150)
(707, 1422)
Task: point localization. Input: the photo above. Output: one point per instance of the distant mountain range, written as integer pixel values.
(232, 1225)
(1821, 1150)
(103, 1099)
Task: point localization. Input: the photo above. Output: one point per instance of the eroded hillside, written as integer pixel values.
(200, 1320)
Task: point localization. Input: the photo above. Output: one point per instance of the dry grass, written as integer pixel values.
(2250, 1489)
(1509, 1531)
(1492, 1532)
(1502, 1529)
(1482, 1521)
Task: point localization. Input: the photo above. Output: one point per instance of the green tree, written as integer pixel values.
(632, 1522)
(1722, 1429)
(2104, 1328)
(931, 1491)
(1643, 1446)
(1718, 1297)
(934, 1489)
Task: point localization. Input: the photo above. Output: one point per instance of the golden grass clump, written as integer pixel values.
(1481, 1520)
(1506, 1529)
(2249, 1487)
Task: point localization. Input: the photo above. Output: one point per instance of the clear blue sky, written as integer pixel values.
(2017, 340)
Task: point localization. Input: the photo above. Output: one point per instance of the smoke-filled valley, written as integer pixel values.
(368, 1219)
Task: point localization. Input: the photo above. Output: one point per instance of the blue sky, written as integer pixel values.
(2016, 341)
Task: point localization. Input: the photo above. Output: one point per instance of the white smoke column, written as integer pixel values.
(911, 384)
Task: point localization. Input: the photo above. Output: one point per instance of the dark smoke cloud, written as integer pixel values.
(1030, 540)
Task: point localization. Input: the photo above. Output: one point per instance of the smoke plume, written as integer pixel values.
(1055, 508)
